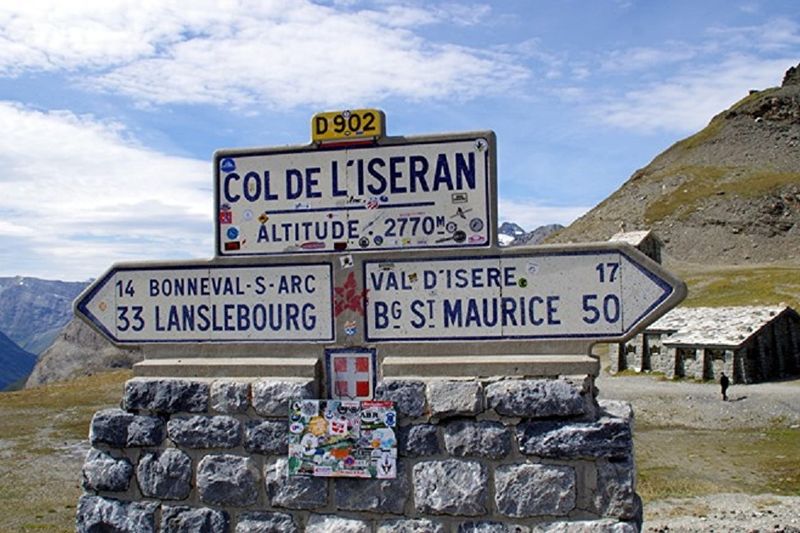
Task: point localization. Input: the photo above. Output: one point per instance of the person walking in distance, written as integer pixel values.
(723, 383)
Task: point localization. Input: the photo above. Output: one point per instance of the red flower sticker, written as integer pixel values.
(348, 297)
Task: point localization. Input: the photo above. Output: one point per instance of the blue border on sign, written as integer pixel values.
(220, 252)
(81, 306)
(666, 287)
(372, 352)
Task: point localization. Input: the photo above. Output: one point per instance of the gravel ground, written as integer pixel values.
(699, 406)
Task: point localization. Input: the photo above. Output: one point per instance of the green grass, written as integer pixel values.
(750, 98)
(39, 461)
(728, 286)
(706, 182)
(701, 183)
(706, 134)
(677, 462)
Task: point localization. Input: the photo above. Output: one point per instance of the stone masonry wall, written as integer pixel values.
(492, 456)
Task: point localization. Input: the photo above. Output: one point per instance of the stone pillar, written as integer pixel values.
(729, 365)
(616, 352)
(488, 455)
(672, 363)
(636, 357)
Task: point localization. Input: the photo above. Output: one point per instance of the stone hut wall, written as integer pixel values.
(503, 456)
(771, 353)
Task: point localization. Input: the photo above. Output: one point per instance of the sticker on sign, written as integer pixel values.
(412, 194)
(192, 303)
(588, 294)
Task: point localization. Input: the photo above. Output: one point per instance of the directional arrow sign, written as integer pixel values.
(202, 302)
(579, 294)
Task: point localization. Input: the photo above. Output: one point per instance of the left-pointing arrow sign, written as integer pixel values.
(203, 302)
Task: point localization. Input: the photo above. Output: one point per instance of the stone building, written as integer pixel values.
(749, 344)
(645, 241)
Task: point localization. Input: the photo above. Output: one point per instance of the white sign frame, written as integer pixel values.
(217, 305)
(398, 193)
(522, 295)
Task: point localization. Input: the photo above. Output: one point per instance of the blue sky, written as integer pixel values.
(110, 110)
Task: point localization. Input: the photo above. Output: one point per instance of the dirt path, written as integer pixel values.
(737, 459)
(699, 405)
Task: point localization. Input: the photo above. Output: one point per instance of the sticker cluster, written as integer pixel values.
(333, 438)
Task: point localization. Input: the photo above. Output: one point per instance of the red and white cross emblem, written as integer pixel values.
(352, 376)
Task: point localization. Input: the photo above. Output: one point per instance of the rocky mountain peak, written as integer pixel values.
(792, 76)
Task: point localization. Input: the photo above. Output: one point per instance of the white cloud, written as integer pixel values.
(530, 215)
(244, 53)
(76, 194)
(775, 35)
(687, 101)
(679, 86)
(645, 58)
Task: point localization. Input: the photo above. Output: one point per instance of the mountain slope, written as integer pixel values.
(15, 363)
(33, 311)
(729, 194)
(80, 351)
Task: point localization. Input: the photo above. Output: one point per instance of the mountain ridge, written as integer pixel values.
(33, 311)
(15, 362)
(729, 194)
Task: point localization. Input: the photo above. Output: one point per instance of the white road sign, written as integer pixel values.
(428, 193)
(192, 303)
(566, 295)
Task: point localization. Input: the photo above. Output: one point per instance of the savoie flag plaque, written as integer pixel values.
(406, 193)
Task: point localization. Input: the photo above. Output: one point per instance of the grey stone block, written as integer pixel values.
(419, 440)
(110, 426)
(230, 396)
(450, 487)
(121, 429)
(527, 490)
(146, 431)
(166, 475)
(166, 395)
(336, 524)
(607, 437)
(477, 439)
(101, 471)
(201, 431)
(296, 492)
(180, 519)
(271, 397)
(266, 436)
(537, 398)
(105, 514)
(402, 525)
(488, 526)
(616, 489)
(227, 480)
(448, 398)
(587, 526)
(616, 409)
(408, 396)
(378, 495)
(258, 522)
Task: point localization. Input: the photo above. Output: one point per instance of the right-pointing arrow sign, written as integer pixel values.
(597, 294)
